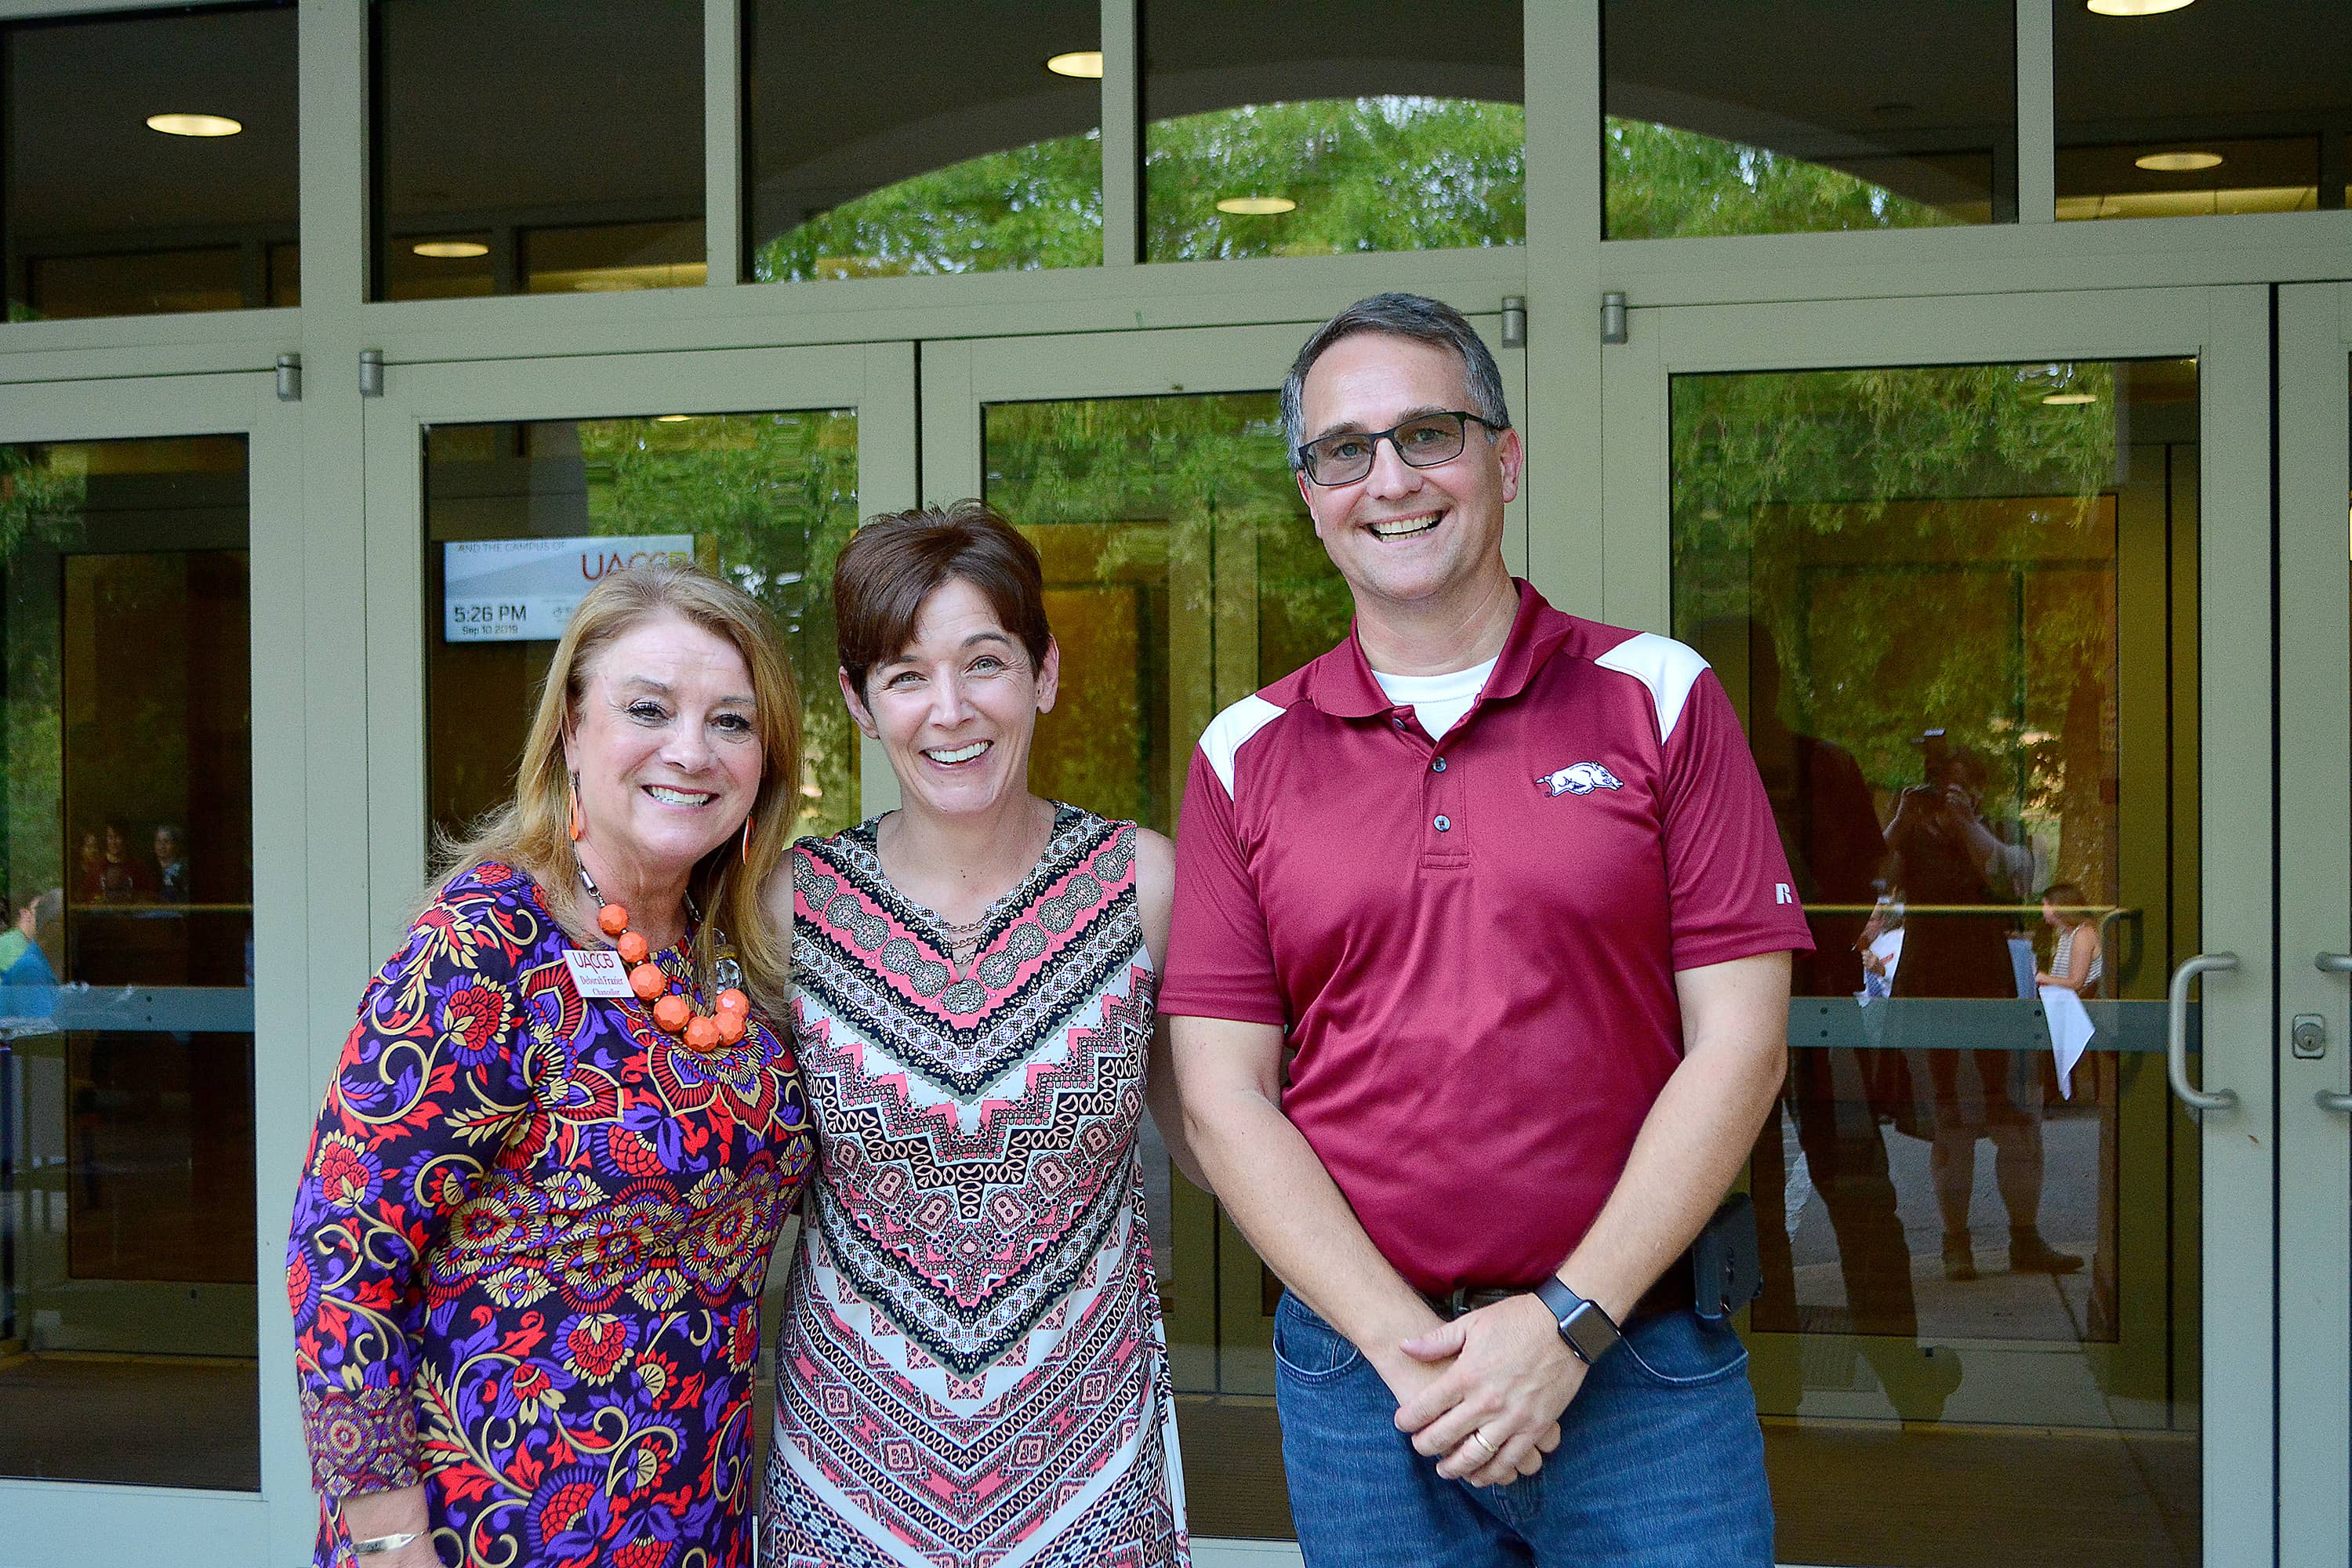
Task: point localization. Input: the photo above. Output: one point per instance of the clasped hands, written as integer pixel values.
(1483, 1395)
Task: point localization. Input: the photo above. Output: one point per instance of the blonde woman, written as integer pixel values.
(530, 1232)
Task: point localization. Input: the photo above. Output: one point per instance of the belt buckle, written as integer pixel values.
(1456, 1302)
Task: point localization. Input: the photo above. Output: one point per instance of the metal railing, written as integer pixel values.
(2110, 918)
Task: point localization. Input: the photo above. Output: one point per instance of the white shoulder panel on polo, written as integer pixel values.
(1667, 667)
(1228, 730)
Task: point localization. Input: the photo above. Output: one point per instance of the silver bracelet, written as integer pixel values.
(378, 1544)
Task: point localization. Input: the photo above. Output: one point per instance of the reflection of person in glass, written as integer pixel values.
(1837, 1096)
(91, 872)
(2076, 961)
(121, 878)
(171, 866)
(28, 983)
(1505, 881)
(974, 976)
(1948, 859)
(1880, 948)
(535, 1218)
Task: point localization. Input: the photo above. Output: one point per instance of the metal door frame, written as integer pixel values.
(49, 1520)
(2314, 869)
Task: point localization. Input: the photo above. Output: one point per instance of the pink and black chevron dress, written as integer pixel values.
(971, 1372)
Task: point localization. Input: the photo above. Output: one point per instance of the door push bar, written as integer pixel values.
(2328, 1098)
(2176, 1033)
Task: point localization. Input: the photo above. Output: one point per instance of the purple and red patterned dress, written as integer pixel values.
(970, 1371)
(528, 1251)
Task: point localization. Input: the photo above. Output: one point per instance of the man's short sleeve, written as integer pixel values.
(1727, 877)
(1220, 960)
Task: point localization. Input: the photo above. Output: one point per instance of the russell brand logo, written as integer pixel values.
(1579, 778)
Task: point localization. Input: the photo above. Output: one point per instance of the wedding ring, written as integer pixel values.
(1480, 1438)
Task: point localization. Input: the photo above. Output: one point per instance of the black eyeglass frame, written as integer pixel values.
(1463, 417)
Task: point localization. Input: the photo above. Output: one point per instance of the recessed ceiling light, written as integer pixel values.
(451, 250)
(2178, 163)
(1256, 206)
(1077, 62)
(2135, 7)
(2069, 399)
(195, 124)
(672, 419)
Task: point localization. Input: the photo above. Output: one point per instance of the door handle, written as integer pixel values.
(2176, 1033)
(2328, 1098)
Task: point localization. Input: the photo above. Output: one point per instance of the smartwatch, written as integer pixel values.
(1584, 1326)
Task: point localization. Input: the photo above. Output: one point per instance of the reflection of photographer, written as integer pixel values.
(1948, 859)
(1944, 818)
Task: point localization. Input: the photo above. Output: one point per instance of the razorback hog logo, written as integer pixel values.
(1579, 778)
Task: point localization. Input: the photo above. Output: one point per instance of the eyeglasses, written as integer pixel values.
(1423, 441)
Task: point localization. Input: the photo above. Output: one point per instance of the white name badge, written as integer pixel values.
(598, 972)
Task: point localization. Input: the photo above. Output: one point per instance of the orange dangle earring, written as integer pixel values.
(746, 839)
(579, 828)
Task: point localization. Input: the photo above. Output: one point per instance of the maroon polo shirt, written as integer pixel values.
(1472, 943)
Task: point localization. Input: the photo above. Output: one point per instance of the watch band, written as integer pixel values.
(1584, 1326)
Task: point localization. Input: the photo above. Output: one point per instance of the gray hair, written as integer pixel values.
(1414, 316)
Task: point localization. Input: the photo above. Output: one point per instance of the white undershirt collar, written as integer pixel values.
(1438, 702)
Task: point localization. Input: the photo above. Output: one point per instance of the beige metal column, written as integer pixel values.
(2314, 762)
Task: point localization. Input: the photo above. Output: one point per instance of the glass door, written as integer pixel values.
(2313, 1037)
(151, 1004)
(1989, 581)
(497, 491)
(1149, 469)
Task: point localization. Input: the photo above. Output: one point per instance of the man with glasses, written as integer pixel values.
(1507, 885)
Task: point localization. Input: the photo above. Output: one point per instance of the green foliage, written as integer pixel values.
(42, 490)
(35, 818)
(1395, 172)
(1925, 547)
(1176, 517)
(1178, 472)
(1660, 183)
(41, 498)
(1368, 173)
(1039, 206)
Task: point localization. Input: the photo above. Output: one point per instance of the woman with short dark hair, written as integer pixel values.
(536, 1214)
(970, 1368)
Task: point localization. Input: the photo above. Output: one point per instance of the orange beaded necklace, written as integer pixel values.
(674, 1013)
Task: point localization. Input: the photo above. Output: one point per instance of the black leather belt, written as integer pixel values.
(1672, 1293)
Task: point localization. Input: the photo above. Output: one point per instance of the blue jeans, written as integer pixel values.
(1661, 1462)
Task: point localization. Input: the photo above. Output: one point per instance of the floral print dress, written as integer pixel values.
(528, 1250)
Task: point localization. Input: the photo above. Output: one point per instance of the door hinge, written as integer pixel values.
(1613, 317)
(371, 372)
(1515, 321)
(290, 378)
